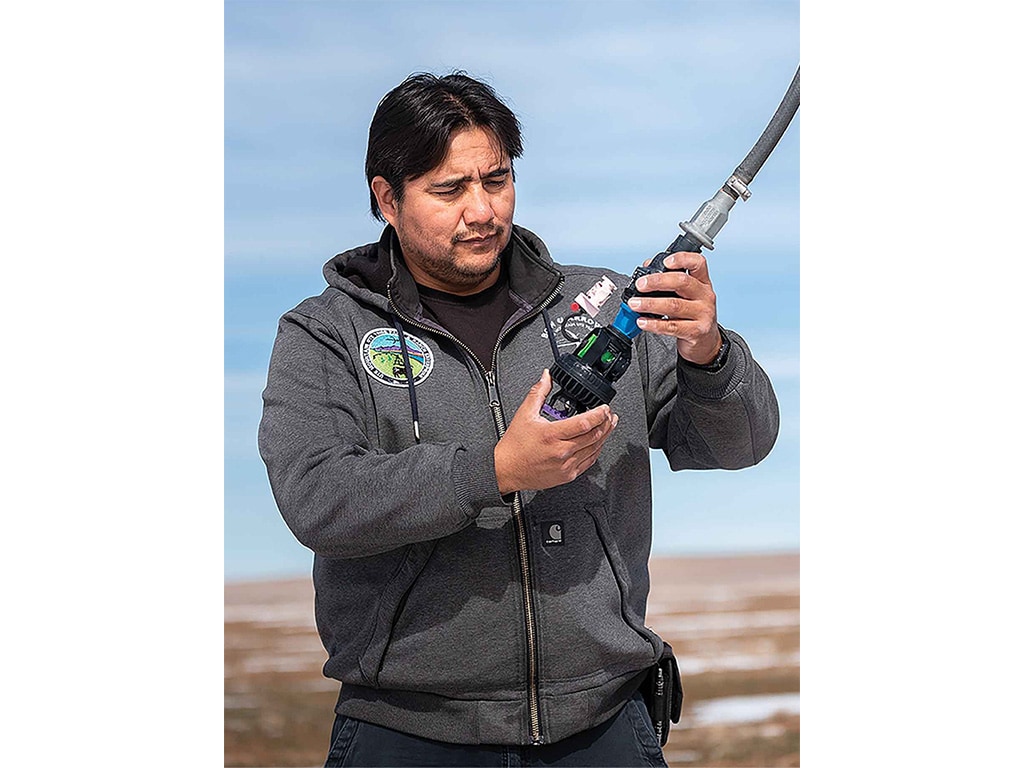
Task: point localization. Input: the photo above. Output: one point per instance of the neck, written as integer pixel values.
(428, 281)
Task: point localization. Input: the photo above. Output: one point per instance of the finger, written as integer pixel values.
(595, 436)
(539, 392)
(680, 329)
(683, 309)
(582, 423)
(585, 458)
(679, 283)
(694, 263)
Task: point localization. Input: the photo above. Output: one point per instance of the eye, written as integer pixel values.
(448, 192)
(497, 183)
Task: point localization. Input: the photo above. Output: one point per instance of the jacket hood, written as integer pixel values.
(374, 271)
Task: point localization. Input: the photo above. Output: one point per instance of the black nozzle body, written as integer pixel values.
(584, 377)
(685, 243)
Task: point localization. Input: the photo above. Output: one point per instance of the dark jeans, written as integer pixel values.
(627, 739)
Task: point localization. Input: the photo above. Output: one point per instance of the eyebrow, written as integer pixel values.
(503, 171)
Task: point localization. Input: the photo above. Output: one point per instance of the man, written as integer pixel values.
(481, 582)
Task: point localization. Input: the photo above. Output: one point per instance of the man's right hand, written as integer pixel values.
(535, 453)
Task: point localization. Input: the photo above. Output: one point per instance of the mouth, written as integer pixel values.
(479, 241)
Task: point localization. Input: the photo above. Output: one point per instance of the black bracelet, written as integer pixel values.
(719, 362)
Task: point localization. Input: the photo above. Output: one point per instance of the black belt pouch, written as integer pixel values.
(663, 694)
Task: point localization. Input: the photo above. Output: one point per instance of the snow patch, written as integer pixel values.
(744, 709)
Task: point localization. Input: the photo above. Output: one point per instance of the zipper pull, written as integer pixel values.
(492, 389)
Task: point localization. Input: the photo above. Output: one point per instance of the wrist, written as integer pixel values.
(717, 361)
(506, 485)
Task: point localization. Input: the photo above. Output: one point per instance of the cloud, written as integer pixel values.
(780, 367)
(239, 384)
(633, 114)
(302, 239)
(679, 61)
(639, 226)
(256, 64)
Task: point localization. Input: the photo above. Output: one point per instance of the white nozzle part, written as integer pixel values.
(592, 300)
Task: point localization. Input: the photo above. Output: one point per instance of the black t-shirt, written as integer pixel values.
(475, 320)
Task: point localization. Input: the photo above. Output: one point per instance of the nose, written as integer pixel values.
(478, 206)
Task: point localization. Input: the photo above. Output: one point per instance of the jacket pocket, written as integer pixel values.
(588, 630)
(389, 607)
(460, 631)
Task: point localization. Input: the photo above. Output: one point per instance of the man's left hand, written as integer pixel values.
(692, 317)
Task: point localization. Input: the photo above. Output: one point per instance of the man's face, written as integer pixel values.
(455, 220)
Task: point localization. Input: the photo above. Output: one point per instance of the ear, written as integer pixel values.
(385, 198)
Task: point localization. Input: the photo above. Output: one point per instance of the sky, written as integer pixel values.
(633, 113)
(116, 291)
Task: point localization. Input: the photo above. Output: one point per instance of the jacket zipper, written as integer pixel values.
(533, 687)
(494, 402)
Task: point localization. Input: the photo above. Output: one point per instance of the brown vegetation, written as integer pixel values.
(732, 621)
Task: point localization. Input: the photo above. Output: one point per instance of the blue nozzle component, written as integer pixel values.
(625, 322)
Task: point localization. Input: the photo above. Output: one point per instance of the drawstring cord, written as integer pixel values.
(409, 378)
(408, 366)
(551, 333)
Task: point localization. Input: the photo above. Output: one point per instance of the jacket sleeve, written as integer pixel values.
(338, 494)
(728, 419)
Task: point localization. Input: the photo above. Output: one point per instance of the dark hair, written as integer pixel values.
(414, 123)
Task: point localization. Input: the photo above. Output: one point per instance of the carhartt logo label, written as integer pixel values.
(553, 533)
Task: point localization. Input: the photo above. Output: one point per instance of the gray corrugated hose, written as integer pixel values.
(755, 158)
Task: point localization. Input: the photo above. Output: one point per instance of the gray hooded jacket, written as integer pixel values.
(449, 611)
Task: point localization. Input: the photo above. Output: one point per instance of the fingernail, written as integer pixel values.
(641, 283)
(615, 420)
(641, 322)
(634, 303)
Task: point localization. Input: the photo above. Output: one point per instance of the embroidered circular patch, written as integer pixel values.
(381, 355)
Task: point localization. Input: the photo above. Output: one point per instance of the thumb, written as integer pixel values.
(538, 392)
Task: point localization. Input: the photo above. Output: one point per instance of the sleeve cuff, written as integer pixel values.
(714, 384)
(476, 484)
